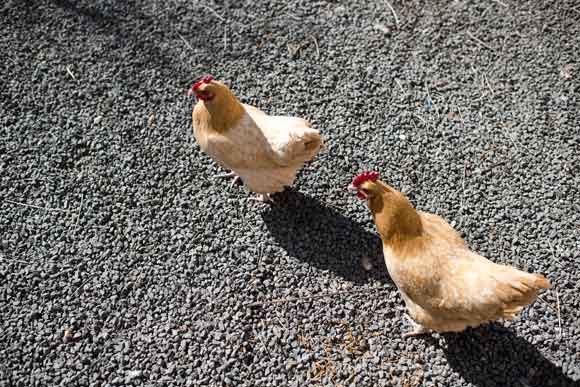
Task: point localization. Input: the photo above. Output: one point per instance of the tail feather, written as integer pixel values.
(521, 290)
(541, 282)
(308, 146)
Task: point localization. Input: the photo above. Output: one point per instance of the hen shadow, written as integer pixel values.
(493, 356)
(319, 235)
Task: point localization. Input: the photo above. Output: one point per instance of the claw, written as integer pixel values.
(418, 329)
(263, 198)
(235, 181)
(227, 175)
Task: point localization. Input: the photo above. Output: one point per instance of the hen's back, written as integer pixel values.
(473, 290)
(448, 287)
(292, 139)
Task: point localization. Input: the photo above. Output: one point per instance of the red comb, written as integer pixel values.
(372, 176)
(206, 79)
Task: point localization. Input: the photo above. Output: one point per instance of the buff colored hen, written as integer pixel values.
(264, 151)
(445, 286)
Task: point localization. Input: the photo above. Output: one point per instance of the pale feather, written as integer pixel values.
(447, 287)
(265, 151)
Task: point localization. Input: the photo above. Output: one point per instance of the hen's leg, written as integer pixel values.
(264, 198)
(229, 174)
(418, 329)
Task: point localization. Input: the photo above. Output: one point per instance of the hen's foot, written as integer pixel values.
(263, 198)
(417, 330)
(227, 175)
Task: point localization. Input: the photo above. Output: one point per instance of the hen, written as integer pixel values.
(445, 286)
(264, 151)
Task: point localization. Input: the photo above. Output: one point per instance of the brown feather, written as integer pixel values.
(445, 286)
(223, 112)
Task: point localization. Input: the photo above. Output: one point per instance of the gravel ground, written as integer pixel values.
(123, 263)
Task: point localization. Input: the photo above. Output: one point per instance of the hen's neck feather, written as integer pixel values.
(397, 221)
(221, 113)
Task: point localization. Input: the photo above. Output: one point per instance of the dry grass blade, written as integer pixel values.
(559, 314)
(79, 213)
(225, 37)
(548, 304)
(491, 167)
(462, 194)
(432, 102)
(400, 86)
(212, 11)
(476, 39)
(13, 260)
(262, 342)
(488, 85)
(393, 12)
(316, 45)
(68, 70)
(82, 285)
(186, 42)
(33, 206)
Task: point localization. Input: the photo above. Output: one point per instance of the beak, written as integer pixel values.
(359, 193)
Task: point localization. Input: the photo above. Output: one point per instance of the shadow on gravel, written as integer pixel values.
(494, 356)
(139, 31)
(319, 235)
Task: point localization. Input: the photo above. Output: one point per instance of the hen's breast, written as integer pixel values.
(415, 276)
(267, 180)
